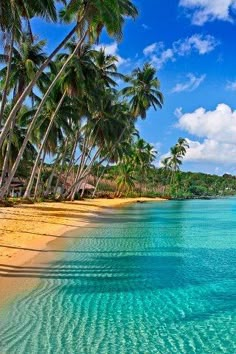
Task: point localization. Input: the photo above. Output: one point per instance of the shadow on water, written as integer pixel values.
(111, 272)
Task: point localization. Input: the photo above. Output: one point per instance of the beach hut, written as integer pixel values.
(16, 188)
(86, 189)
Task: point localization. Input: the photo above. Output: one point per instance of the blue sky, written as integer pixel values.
(191, 43)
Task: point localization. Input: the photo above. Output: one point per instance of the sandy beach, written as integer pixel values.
(27, 230)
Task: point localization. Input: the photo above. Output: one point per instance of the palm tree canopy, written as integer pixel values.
(144, 91)
(13, 12)
(95, 15)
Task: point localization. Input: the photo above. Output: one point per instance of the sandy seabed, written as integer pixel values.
(27, 230)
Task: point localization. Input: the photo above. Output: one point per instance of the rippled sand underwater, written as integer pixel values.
(148, 278)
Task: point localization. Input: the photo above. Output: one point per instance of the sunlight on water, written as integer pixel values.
(150, 278)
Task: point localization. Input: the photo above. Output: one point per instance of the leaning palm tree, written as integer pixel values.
(26, 60)
(91, 17)
(13, 15)
(27, 57)
(175, 160)
(11, 146)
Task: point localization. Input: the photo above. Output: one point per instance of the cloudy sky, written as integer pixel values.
(192, 45)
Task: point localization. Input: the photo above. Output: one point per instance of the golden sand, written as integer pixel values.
(27, 230)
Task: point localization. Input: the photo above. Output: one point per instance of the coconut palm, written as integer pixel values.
(13, 15)
(27, 58)
(91, 17)
(144, 91)
(106, 66)
(175, 160)
(125, 179)
(11, 146)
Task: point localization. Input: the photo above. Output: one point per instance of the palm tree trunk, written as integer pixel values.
(31, 126)
(50, 179)
(5, 167)
(72, 156)
(39, 176)
(97, 183)
(32, 177)
(80, 176)
(83, 190)
(5, 89)
(29, 87)
(59, 177)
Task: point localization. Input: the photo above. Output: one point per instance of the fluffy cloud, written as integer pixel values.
(164, 57)
(198, 43)
(112, 49)
(217, 129)
(219, 125)
(150, 49)
(211, 151)
(191, 84)
(203, 11)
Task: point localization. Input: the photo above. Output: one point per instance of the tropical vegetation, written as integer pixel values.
(69, 117)
(67, 106)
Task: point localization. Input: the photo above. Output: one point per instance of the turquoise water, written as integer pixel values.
(148, 278)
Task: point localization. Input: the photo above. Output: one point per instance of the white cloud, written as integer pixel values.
(231, 85)
(112, 49)
(198, 43)
(164, 57)
(211, 151)
(217, 129)
(150, 49)
(203, 11)
(192, 84)
(219, 125)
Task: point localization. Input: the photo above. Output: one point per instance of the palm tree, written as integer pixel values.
(125, 179)
(144, 91)
(12, 16)
(93, 26)
(27, 57)
(107, 68)
(175, 160)
(91, 17)
(11, 146)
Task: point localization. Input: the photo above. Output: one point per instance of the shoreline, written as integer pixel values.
(26, 231)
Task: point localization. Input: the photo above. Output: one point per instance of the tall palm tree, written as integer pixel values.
(125, 179)
(26, 59)
(144, 91)
(11, 146)
(175, 160)
(94, 15)
(91, 17)
(13, 14)
(106, 66)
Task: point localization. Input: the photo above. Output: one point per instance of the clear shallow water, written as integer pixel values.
(148, 278)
